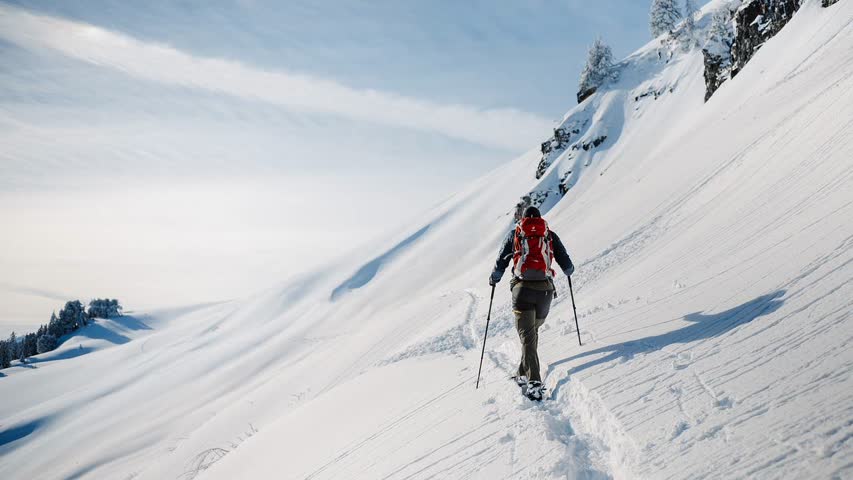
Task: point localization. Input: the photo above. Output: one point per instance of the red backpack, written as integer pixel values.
(532, 250)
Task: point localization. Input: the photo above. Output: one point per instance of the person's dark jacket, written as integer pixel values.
(506, 253)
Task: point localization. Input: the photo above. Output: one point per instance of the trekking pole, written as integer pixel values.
(483, 353)
(575, 310)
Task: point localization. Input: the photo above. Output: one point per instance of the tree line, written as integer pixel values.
(70, 319)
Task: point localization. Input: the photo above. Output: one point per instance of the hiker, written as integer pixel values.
(533, 248)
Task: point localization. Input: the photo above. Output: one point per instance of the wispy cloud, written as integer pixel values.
(504, 127)
(36, 292)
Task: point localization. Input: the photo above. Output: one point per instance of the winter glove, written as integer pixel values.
(495, 277)
(569, 271)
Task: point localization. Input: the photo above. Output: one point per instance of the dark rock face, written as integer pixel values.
(561, 138)
(544, 163)
(555, 144)
(594, 143)
(552, 148)
(584, 94)
(653, 93)
(827, 3)
(716, 72)
(564, 183)
(756, 21)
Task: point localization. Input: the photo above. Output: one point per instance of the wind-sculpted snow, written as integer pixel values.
(714, 259)
(371, 268)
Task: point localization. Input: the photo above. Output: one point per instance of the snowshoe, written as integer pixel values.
(534, 391)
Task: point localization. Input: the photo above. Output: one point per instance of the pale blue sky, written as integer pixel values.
(183, 151)
(525, 54)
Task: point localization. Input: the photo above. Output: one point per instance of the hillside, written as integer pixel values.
(715, 255)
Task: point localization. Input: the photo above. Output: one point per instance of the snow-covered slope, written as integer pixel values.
(713, 244)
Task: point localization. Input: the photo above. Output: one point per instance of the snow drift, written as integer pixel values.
(713, 243)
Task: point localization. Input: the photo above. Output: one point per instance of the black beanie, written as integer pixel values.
(531, 212)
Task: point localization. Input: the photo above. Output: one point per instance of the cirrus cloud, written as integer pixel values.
(502, 127)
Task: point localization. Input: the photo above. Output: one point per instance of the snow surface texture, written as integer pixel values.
(714, 249)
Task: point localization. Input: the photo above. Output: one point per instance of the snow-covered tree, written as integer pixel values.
(717, 52)
(46, 343)
(104, 308)
(687, 30)
(690, 9)
(720, 34)
(30, 344)
(5, 358)
(663, 17)
(53, 326)
(72, 317)
(12, 346)
(598, 69)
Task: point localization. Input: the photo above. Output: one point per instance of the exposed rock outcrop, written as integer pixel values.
(653, 93)
(595, 142)
(552, 147)
(717, 68)
(584, 94)
(756, 21)
(728, 50)
(564, 182)
(827, 3)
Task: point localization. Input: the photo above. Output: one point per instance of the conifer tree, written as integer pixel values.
(720, 35)
(72, 317)
(104, 308)
(46, 343)
(5, 358)
(690, 10)
(663, 17)
(53, 327)
(687, 32)
(597, 70)
(30, 343)
(12, 346)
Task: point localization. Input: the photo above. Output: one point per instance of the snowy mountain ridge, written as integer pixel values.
(651, 73)
(713, 292)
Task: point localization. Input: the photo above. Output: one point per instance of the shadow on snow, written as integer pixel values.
(16, 433)
(369, 270)
(93, 331)
(701, 326)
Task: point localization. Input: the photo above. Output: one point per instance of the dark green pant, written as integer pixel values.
(531, 302)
